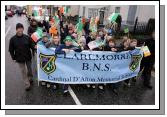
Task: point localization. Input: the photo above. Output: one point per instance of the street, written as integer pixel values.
(40, 95)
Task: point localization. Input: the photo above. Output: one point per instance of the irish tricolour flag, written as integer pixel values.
(37, 35)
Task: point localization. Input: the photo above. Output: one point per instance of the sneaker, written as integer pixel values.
(27, 88)
(88, 86)
(43, 83)
(65, 92)
(115, 91)
(101, 87)
(148, 86)
(93, 86)
(48, 85)
(54, 87)
(31, 81)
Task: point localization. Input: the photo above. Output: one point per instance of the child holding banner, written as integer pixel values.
(111, 46)
(65, 48)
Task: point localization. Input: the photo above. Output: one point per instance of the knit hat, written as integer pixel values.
(19, 25)
(68, 38)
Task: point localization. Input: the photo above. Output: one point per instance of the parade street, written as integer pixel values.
(15, 94)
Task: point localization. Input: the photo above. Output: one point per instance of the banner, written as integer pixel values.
(87, 67)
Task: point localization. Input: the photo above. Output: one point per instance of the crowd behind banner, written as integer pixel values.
(86, 35)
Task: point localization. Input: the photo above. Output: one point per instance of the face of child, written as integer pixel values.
(111, 44)
(70, 31)
(68, 43)
(133, 44)
(45, 39)
(56, 40)
(126, 44)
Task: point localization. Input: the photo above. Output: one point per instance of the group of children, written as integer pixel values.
(63, 40)
(110, 45)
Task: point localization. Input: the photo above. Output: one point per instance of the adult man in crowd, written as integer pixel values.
(19, 48)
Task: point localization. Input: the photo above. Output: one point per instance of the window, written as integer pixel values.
(92, 12)
(83, 11)
(117, 9)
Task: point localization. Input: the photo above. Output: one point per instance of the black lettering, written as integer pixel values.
(97, 67)
(85, 66)
(107, 66)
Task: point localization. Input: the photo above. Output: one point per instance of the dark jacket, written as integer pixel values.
(31, 30)
(150, 60)
(51, 44)
(63, 46)
(19, 48)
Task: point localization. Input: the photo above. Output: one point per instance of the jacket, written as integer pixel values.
(19, 48)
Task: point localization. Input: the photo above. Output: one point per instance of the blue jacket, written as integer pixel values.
(63, 46)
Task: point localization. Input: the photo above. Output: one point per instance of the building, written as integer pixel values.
(128, 12)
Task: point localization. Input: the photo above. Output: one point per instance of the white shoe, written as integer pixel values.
(88, 85)
(129, 84)
(101, 87)
(43, 83)
(54, 86)
(93, 86)
(65, 91)
(48, 85)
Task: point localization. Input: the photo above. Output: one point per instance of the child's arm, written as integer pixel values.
(59, 50)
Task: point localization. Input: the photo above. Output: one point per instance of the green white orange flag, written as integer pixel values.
(79, 26)
(113, 17)
(37, 35)
(56, 19)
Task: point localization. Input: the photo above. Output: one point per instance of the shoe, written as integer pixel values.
(27, 88)
(93, 86)
(43, 83)
(31, 81)
(134, 80)
(129, 84)
(115, 91)
(101, 87)
(54, 87)
(48, 85)
(148, 86)
(88, 86)
(65, 92)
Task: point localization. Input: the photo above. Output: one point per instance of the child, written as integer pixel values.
(54, 42)
(111, 46)
(65, 48)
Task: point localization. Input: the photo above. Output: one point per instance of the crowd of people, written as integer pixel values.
(61, 37)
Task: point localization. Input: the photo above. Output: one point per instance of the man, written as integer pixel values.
(19, 48)
(147, 63)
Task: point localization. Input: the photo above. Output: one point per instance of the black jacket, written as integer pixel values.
(19, 48)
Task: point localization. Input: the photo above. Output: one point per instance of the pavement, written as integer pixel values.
(79, 94)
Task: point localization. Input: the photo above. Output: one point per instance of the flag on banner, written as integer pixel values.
(37, 35)
(75, 43)
(35, 13)
(113, 17)
(95, 44)
(146, 51)
(96, 20)
(56, 19)
(66, 10)
(93, 25)
(61, 10)
(79, 26)
(40, 12)
(126, 30)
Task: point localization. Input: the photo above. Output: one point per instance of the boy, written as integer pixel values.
(63, 49)
(54, 43)
(111, 46)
